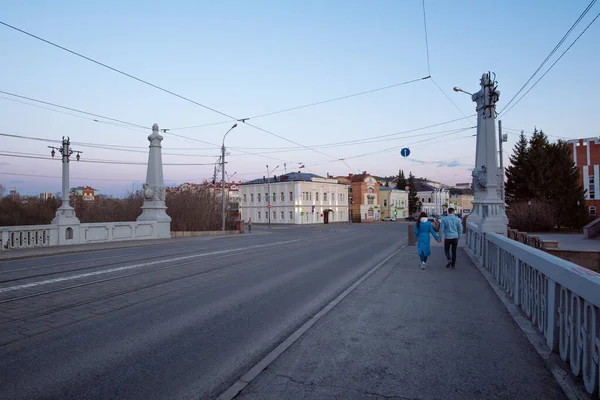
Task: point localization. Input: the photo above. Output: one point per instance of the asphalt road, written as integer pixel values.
(174, 321)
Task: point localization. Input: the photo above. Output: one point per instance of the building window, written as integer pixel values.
(258, 197)
(291, 196)
(291, 215)
(422, 199)
(251, 197)
(310, 196)
(282, 196)
(429, 199)
(324, 196)
(384, 202)
(274, 197)
(317, 196)
(258, 215)
(282, 216)
(369, 201)
(244, 197)
(592, 210)
(591, 189)
(274, 215)
(371, 190)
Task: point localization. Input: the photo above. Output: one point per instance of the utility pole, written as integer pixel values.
(223, 178)
(66, 152)
(269, 195)
(223, 187)
(501, 139)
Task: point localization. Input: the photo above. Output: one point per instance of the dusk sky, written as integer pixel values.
(248, 58)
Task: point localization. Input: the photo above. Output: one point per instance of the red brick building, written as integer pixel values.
(586, 156)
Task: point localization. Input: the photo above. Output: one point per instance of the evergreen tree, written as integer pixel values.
(412, 194)
(537, 166)
(516, 188)
(563, 188)
(401, 184)
(387, 183)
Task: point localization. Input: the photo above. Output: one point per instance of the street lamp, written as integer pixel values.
(223, 178)
(457, 89)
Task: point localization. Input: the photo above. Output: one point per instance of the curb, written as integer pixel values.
(141, 244)
(254, 371)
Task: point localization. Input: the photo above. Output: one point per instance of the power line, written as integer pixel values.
(450, 100)
(157, 87)
(426, 39)
(338, 98)
(553, 64)
(113, 69)
(309, 104)
(59, 177)
(103, 146)
(116, 162)
(73, 109)
(445, 133)
(551, 53)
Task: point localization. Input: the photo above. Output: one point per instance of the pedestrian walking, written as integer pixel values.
(423, 228)
(249, 225)
(451, 230)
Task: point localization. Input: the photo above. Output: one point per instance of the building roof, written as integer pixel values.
(290, 177)
(424, 187)
(385, 188)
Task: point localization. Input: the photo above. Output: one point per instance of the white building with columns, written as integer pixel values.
(433, 199)
(294, 198)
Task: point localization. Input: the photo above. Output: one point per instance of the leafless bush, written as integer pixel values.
(198, 211)
(188, 211)
(537, 217)
(27, 211)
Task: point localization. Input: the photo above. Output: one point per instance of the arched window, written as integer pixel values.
(370, 190)
(69, 233)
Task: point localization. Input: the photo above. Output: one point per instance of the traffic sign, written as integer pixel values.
(405, 152)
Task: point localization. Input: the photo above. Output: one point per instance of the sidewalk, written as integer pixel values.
(410, 334)
(6, 255)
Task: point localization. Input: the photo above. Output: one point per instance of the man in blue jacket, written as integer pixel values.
(451, 229)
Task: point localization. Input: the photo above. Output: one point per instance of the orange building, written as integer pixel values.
(586, 156)
(363, 197)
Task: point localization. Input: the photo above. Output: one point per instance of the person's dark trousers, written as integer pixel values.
(447, 244)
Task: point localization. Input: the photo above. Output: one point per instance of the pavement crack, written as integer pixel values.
(345, 388)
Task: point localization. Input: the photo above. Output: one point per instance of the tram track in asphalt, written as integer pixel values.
(153, 256)
(128, 291)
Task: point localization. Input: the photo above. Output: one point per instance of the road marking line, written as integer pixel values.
(106, 271)
(260, 366)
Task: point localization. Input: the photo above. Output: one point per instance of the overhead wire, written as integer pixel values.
(505, 111)
(73, 109)
(445, 133)
(94, 161)
(587, 9)
(244, 121)
(426, 39)
(308, 105)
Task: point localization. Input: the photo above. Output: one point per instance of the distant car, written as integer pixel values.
(388, 219)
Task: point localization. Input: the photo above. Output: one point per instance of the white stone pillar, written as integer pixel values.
(488, 208)
(154, 208)
(67, 221)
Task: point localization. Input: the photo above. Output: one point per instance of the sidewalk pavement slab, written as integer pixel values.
(407, 333)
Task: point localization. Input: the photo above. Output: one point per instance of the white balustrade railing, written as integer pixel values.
(23, 237)
(560, 298)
